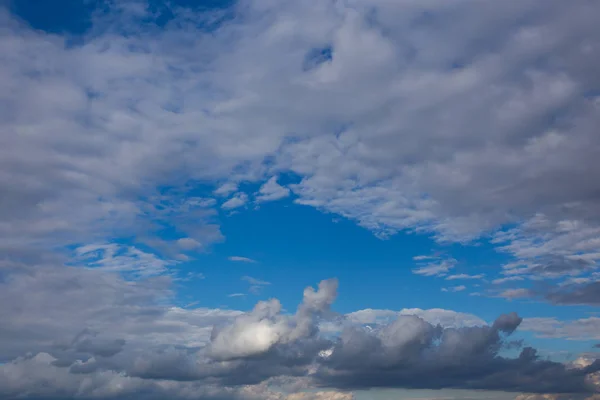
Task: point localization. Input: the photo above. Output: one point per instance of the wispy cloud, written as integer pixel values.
(459, 288)
(464, 276)
(235, 202)
(439, 268)
(241, 259)
(256, 285)
(255, 281)
(512, 294)
(507, 279)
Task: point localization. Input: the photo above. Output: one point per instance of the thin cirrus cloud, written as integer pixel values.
(241, 259)
(464, 277)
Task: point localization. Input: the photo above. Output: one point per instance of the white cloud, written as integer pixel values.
(255, 281)
(519, 293)
(464, 276)
(189, 244)
(507, 279)
(459, 288)
(480, 128)
(376, 132)
(256, 285)
(435, 316)
(241, 259)
(424, 257)
(115, 257)
(271, 191)
(235, 202)
(436, 268)
(256, 332)
(226, 189)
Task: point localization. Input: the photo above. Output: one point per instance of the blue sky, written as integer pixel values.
(179, 174)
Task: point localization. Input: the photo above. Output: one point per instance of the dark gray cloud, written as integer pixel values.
(586, 293)
(137, 347)
(413, 353)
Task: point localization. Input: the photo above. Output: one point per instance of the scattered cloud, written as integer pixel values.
(459, 288)
(464, 276)
(121, 258)
(189, 244)
(156, 109)
(256, 285)
(132, 344)
(512, 294)
(255, 281)
(436, 268)
(585, 293)
(492, 123)
(241, 259)
(500, 281)
(235, 202)
(226, 189)
(271, 191)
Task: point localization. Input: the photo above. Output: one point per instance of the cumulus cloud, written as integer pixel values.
(258, 331)
(139, 346)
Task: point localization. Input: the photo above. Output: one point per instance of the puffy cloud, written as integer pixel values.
(409, 351)
(258, 331)
(135, 345)
(271, 191)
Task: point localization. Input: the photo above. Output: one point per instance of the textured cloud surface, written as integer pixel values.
(136, 348)
(463, 120)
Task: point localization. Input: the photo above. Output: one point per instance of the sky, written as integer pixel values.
(299, 199)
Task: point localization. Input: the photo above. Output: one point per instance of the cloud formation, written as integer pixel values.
(387, 113)
(139, 346)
